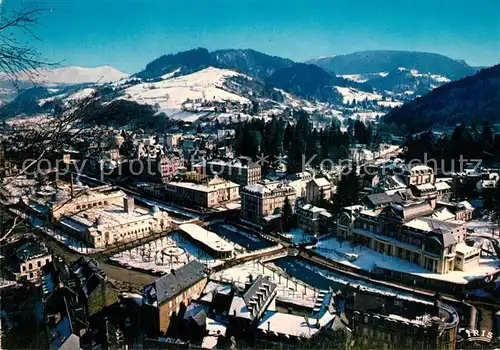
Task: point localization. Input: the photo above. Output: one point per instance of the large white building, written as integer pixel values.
(101, 217)
(207, 194)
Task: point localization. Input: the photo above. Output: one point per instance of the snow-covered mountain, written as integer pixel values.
(368, 62)
(74, 75)
(472, 99)
(232, 83)
(396, 72)
(172, 94)
(400, 80)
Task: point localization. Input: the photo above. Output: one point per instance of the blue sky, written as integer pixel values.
(127, 34)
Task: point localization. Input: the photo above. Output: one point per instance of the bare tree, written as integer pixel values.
(18, 58)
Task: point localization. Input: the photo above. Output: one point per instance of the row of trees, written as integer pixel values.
(465, 142)
(301, 139)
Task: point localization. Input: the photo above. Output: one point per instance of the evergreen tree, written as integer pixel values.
(347, 189)
(127, 148)
(255, 108)
(269, 138)
(199, 130)
(238, 139)
(287, 215)
(288, 136)
(280, 134)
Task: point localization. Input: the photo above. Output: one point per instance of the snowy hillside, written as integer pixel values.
(363, 78)
(171, 94)
(400, 80)
(351, 94)
(73, 75)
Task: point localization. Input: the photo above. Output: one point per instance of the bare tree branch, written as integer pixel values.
(18, 59)
(14, 225)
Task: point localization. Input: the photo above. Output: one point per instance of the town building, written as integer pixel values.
(346, 219)
(170, 293)
(396, 176)
(205, 193)
(70, 296)
(173, 140)
(380, 200)
(421, 174)
(299, 182)
(277, 328)
(443, 190)
(237, 171)
(378, 320)
(318, 189)
(314, 220)
(248, 307)
(99, 217)
(265, 199)
(461, 210)
(404, 231)
(25, 259)
(161, 168)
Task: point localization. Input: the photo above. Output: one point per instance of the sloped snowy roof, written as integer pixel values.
(443, 214)
(287, 324)
(206, 237)
(442, 186)
(466, 205)
(321, 182)
(464, 249)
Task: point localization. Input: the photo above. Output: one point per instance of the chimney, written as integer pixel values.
(128, 204)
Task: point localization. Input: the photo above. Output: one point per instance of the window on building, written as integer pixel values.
(30, 266)
(24, 267)
(39, 263)
(31, 275)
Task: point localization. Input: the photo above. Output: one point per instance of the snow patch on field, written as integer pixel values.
(440, 78)
(391, 104)
(349, 94)
(358, 78)
(81, 94)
